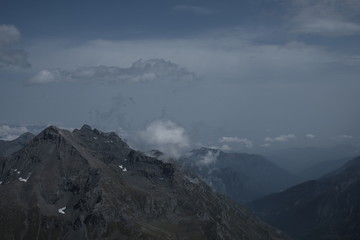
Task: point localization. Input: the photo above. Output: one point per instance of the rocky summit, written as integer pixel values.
(88, 184)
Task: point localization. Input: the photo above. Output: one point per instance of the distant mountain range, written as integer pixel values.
(243, 177)
(326, 208)
(303, 161)
(322, 168)
(88, 184)
(9, 147)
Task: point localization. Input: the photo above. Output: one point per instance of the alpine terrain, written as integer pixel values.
(87, 184)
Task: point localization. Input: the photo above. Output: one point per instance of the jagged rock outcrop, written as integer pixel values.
(87, 184)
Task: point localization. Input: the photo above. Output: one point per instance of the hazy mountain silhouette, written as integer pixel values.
(327, 208)
(297, 160)
(241, 176)
(322, 168)
(9, 147)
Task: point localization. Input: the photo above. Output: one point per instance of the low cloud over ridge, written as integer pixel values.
(209, 158)
(9, 133)
(165, 136)
(245, 141)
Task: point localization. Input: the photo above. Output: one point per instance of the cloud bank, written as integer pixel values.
(245, 141)
(323, 17)
(139, 71)
(9, 133)
(310, 136)
(230, 55)
(281, 138)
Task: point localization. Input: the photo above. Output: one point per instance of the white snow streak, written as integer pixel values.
(62, 210)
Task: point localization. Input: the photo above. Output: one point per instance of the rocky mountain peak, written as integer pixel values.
(87, 184)
(25, 137)
(51, 133)
(86, 127)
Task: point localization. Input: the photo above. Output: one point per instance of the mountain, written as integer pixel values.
(87, 184)
(327, 208)
(322, 168)
(297, 160)
(243, 177)
(9, 147)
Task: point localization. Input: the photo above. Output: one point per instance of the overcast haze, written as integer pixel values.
(240, 75)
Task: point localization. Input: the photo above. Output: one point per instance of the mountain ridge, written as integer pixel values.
(325, 208)
(9, 147)
(87, 184)
(241, 176)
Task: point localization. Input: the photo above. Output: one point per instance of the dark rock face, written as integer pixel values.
(9, 147)
(327, 208)
(243, 177)
(87, 184)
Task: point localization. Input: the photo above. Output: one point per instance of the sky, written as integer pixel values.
(237, 75)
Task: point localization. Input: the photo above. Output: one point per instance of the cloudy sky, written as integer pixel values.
(238, 75)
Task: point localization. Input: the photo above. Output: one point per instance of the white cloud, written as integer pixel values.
(45, 76)
(281, 138)
(326, 26)
(208, 158)
(193, 9)
(8, 34)
(344, 137)
(165, 136)
(266, 145)
(139, 71)
(310, 136)
(225, 147)
(245, 141)
(8, 133)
